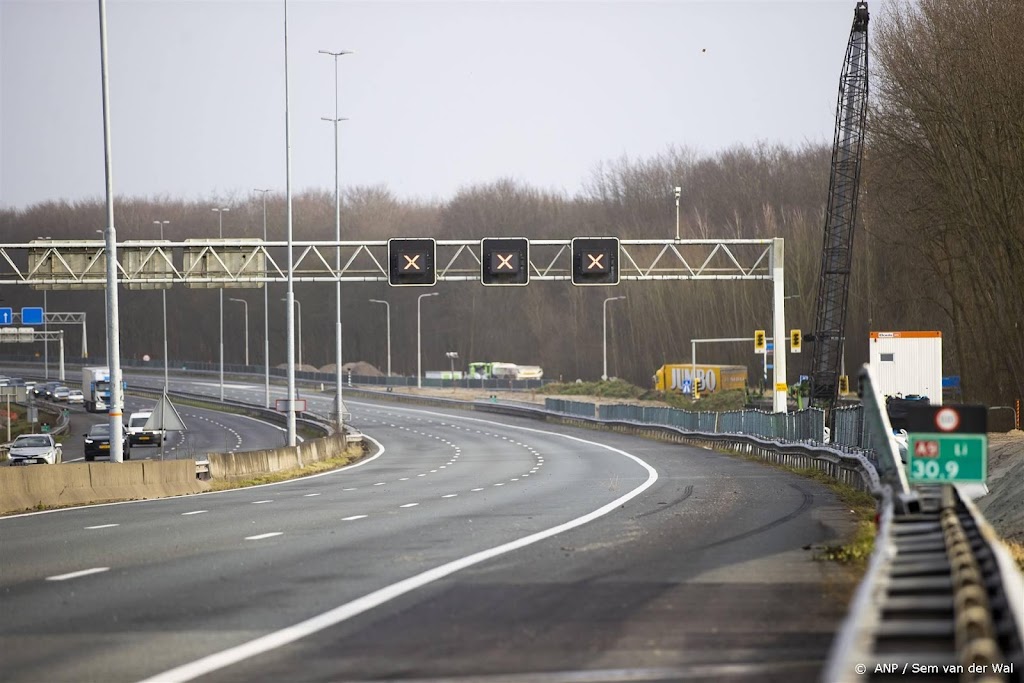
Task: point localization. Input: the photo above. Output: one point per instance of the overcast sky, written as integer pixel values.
(439, 95)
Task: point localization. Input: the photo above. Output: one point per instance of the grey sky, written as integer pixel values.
(439, 94)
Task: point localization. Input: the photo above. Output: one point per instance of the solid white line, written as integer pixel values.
(409, 505)
(194, 512)
(261, 502)
(290, 634)
(260, 537)
(353, 517)
(102, 526)
(75, 575)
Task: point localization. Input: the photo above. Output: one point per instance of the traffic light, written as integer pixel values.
(844, 384)
(411, 261)
(759, 342)
(595, 260)
(505, 261)
(795, 340)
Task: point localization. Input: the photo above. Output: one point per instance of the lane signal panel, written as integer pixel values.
(595, 260)
(412, 262)
(505, 261)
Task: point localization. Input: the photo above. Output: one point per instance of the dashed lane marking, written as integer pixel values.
(102, 526)
(75, 575)
(260, 537)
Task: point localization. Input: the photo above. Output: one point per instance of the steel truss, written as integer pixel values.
(154, 264)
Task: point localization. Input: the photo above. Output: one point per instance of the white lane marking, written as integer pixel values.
(409, 505)
(404, 479)
(261, 502)
(290, 634)
(500, 483)
(353, 489)
(380, 483)
(449, 495)
(194, 512)
(432, 471)
(102, 526)
(476, 489)
(260, 537)
(75, 575)
(516, 479)
(421, 475)
(353, 517)
(310, 495)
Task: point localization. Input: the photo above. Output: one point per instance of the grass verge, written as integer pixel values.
(1017, 552)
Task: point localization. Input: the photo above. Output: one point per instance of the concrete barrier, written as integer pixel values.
(43, 486)
(252, 463)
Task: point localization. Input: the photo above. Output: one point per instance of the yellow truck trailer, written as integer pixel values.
(712, 377)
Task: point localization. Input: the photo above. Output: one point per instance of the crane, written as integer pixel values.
(837, 253)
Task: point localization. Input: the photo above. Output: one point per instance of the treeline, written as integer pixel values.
(940, 244)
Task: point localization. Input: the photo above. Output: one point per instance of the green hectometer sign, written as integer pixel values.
(947, 458)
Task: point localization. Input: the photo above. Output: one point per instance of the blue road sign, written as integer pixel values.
(687, 386)
(32, 315)
(6, 316)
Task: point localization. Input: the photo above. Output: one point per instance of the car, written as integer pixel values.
(61, 394)
(76, 397)
(35, 448)
(97, 442)
(137, 434)
(45, 390)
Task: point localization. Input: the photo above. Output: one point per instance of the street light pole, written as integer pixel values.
(604, 321)
(388, 313)
(46, 338)
(298, 307)
(266, 315)
(163, 296)
(246, 305)
(220, 234)
(678, 191)
(419, 341)
(337, 236)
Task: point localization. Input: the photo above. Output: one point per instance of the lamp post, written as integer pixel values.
(678, 191)
(106, 319)
(337, 236)
(266, 314)
(246, 305)
(298, 308)
(46, 339)
(604, 321)
(220, 233)
(419, 341)
(163, 296)
(387, 307)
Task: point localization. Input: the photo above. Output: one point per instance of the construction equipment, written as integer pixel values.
(837, 252)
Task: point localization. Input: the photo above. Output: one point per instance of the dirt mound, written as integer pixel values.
(361, 368)
(1003, 507)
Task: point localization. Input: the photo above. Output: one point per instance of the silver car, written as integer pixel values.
(35, 448)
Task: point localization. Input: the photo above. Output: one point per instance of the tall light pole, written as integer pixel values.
(298, 306)
(679, 191)
(290, 317)
(604, 320)
(163, 296)
(246, 305)
(220, 233)
(266, 314)
(387, 307)
(46, 338)
(106, 321)
(419, 341)
(337, 236)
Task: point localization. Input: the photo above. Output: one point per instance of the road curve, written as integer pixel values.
(590, 562)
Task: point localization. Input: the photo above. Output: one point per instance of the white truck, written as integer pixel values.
(96, 388)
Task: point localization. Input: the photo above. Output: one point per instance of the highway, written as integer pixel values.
(498, 549)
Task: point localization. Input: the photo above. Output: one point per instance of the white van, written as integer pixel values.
(137, 435)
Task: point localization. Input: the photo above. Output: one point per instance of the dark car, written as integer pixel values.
(97, 442)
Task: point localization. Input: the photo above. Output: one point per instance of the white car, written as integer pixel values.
(137, 433)
(35, 448)
(76, 397)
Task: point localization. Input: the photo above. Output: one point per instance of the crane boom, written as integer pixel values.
(837, 252)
